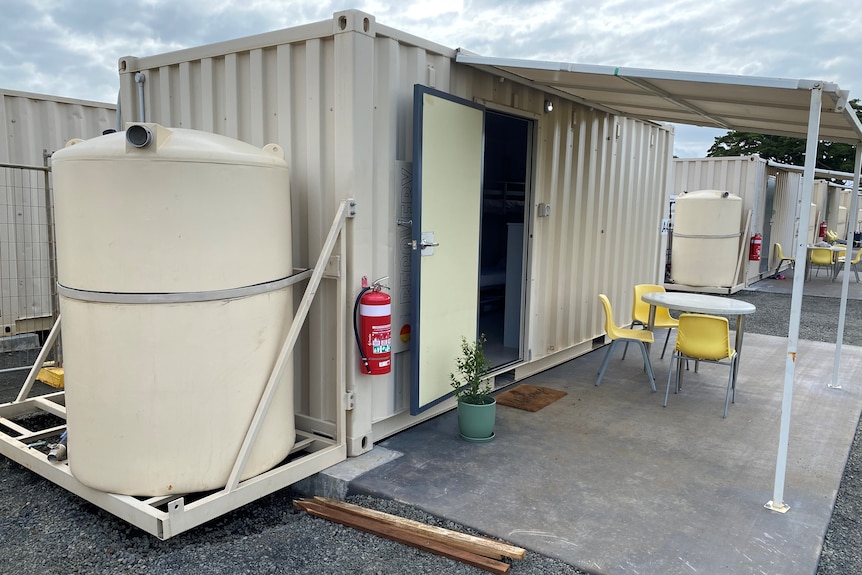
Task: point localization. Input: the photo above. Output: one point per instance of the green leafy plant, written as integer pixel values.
(471, 385)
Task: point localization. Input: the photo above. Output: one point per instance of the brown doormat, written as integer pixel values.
(529, 397)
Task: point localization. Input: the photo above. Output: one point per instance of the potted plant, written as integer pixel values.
(477, 408)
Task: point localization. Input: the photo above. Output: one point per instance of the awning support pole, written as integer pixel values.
(777, 502)
(848, 255)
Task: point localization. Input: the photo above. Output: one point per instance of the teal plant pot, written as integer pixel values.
(476, 422)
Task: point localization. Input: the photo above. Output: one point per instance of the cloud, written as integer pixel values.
(71, 48)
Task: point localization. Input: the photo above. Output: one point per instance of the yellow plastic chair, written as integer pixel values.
(703, 338)
(779, 254)
(618, 334)
(854, 263)
(640, 314)
(820, 257)
(831, 236)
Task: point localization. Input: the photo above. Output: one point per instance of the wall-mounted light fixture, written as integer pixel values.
(549, 106)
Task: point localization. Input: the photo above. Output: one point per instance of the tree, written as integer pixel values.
(830, 155)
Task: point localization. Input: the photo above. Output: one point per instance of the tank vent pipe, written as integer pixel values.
(139, 136)
(140, 78)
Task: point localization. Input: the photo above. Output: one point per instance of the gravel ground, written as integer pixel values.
(47, 530)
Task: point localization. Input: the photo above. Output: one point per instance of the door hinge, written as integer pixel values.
(349, 400)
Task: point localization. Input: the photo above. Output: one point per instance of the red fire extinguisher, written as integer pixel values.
(822, 231)
(374, 329)
(754, 247)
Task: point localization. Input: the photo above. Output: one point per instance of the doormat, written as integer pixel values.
(529, 397)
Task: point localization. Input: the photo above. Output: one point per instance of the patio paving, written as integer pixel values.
(609, 481)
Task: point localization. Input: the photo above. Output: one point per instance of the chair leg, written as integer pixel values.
(735, 362)
(666, 339)
(730, 385)
(648, 366)
(730, 397)
(605, 362)
(626, 348)
(673, 356)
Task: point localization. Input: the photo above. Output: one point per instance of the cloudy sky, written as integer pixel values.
(71, 47)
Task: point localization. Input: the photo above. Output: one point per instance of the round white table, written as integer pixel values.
(702, 303)
(837, 251)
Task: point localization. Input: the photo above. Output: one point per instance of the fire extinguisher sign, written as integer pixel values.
(381, 339)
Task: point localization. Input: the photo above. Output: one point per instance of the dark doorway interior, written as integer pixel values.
(504, 205)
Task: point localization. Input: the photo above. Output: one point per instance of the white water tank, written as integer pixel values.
(706, 236)
(173, 249)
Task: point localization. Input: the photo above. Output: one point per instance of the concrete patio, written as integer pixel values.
(609, 481)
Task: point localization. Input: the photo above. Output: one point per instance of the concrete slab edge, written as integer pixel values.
(334, 482)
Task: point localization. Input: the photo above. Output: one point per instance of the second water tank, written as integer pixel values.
(706, 236)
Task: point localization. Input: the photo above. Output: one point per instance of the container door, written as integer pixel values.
(447, 199)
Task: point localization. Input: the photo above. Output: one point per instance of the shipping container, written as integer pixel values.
(568, 201)
(32, 127)
(768, 193)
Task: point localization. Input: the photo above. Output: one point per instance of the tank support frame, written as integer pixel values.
(319, 443)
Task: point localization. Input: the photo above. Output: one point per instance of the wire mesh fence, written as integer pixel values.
(28, 271)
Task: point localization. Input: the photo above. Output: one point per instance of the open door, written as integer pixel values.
(447, 202)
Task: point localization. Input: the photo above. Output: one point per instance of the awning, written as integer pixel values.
(808, 109)
(775, 106)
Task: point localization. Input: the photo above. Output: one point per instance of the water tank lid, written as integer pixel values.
(172, 145)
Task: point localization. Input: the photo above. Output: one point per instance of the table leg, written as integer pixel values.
(651, 324)
(739, 333)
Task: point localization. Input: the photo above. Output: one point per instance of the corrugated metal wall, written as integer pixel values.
(30, 126)
(605, 178)
(341, 107)
(30, 123)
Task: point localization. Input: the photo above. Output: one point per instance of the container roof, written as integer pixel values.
(775, 106)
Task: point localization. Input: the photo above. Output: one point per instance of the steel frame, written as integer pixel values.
(319, 443)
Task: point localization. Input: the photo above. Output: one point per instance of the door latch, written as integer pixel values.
(427, 244)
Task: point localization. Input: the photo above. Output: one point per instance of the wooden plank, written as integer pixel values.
(381, 529)
(472, 543)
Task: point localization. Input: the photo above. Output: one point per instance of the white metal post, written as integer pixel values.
(845, 284)
(777, 502)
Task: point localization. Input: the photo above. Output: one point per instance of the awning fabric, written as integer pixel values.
(775, 106)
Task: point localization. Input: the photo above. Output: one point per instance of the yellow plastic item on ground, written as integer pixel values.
(52, 376)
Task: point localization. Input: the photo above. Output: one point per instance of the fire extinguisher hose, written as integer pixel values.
(356, 329)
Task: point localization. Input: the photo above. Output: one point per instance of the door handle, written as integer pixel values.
(427, 244)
